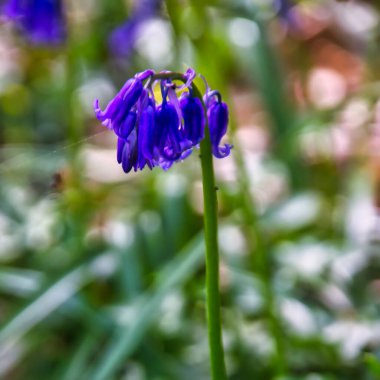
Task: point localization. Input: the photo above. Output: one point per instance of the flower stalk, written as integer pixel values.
(217, 364)
(210, 215)
(160, 136)
(218, 370)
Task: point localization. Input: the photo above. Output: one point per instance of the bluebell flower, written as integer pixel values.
(150, 135)
(194, 121)
(123, 38)
(217, 114)
(146, 132)
(118, 109)
(42, 21)
(127, 152)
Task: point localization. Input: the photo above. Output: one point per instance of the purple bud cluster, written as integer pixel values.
(151, 134)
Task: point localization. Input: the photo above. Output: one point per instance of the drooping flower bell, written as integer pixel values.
(41, 21)
(194, 121)
(150, 134)
(217, 113)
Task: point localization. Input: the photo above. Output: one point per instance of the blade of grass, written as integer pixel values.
(20, 282)
(78, 361)
(126, 340)
(26, 283)
(50, 299)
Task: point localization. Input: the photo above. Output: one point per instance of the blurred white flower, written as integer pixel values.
(352, 336)
(298, 317)
(296, 212)
(306, 259)
(40, 221)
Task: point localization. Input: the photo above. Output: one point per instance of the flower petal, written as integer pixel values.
(124, 128)
(218, 122)
(194, 119)
(129, 153)
(120, 106)
(146, 132)
(168, 138)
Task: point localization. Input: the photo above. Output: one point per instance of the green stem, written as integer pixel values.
(218, 369)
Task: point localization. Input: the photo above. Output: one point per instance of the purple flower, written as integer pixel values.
(194, 121)
(160, 135)
(146, 130)
(217, 114)
(42, 21)
(285, 12)
(123, 38)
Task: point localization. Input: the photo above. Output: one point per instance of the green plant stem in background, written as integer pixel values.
(218, 369)
(260, 252)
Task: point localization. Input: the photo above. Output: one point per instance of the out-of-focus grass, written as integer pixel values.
(101, 273)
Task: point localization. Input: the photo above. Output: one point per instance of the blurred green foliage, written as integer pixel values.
(102, 274)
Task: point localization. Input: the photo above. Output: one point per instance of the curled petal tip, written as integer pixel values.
(98, 111)
(101, 115)
(222, 151)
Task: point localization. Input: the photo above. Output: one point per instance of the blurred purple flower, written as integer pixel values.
(150, 135)
(123, 38)
(285, 11)
(42, 21)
